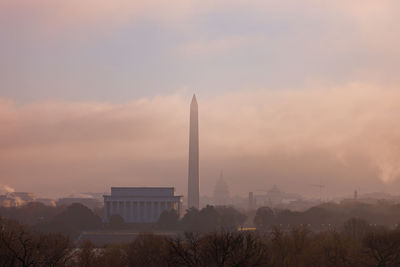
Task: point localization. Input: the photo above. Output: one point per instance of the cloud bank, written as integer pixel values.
(346, 137)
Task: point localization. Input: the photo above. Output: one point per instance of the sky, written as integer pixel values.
(96, 94)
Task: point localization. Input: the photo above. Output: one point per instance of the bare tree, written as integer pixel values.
(18, 244)
(220, 247)
(88, 255)
(114, 255)
(186, 251)
(148, 250)
(251, 252)
(55, 250)
(384, 248)
(356, 228)
(280, 247)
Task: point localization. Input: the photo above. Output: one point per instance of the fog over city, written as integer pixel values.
(96, 94)
(344, 137)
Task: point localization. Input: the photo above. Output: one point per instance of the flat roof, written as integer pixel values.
(143, 187)
(142, 191)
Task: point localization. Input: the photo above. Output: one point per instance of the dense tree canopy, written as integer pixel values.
(212, 218)
(72, 221)
(168, 220)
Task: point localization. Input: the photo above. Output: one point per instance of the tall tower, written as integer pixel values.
(193, 177)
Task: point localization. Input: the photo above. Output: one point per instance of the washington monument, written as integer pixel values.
(193, 177)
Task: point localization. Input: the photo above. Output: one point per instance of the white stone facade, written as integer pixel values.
(141, 204)
(193, 176)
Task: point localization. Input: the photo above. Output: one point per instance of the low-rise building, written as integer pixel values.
(141, 204)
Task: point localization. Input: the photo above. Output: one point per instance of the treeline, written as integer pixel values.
(330, 215)
(21, 246)
(74, 219)
(207, 219)
(319, 218)
(68, 220)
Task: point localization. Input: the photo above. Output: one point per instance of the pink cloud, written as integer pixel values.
(346, 134)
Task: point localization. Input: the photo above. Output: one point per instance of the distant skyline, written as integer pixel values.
(94, 94)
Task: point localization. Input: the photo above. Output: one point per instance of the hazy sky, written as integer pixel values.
(96, 94)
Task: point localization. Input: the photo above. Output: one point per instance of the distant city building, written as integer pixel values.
(97, 195)
(275, 198)
(46, 201)
(141, 204)
(24, 196)
(251, 204)
(221, 192)
(372, 198)
(16, 199)
(193, 175)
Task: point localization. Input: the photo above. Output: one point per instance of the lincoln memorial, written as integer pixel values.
(141, 204)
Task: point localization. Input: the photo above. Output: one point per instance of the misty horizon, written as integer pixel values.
(256, 140)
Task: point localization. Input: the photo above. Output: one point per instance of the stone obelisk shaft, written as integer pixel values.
(193, 177)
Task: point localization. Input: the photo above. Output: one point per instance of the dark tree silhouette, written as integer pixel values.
(19, 246)
(116, 222)
(264, 218)
(356, 228)
(75, 219)
(229, 218)
(168, 220)
(384, 247)
(148, 250)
